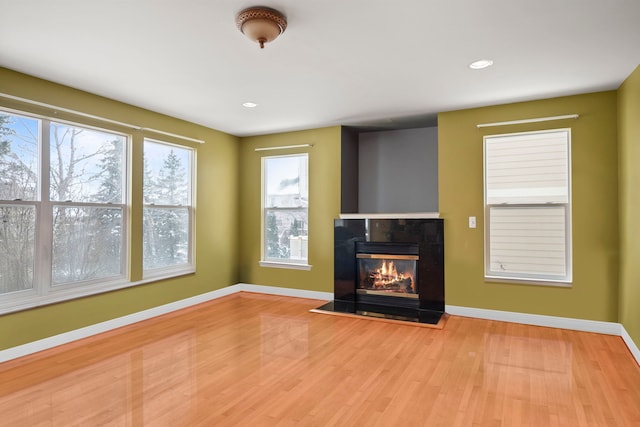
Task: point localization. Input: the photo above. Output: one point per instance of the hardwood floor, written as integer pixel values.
(259, 360)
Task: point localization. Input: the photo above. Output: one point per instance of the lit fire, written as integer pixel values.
(386, 277)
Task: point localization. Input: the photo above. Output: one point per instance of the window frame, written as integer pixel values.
(287, 263)
(530, 278)
(189, 266)
(44, 291)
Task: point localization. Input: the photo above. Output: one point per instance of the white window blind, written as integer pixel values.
(528, 240)
(527, 168)
(527, 206)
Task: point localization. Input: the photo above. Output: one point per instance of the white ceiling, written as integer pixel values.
(349, 62)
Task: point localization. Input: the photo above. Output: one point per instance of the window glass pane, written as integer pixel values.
(286, 182)
(86, 165)
(165, 237)
(87, 243)
(18, 157)
(167, 174)
(17, 236)
(286, 200)
(286, 235)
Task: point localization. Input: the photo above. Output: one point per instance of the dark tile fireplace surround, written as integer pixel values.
(391, 268)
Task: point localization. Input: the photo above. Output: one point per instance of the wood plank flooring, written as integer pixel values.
(260, 360)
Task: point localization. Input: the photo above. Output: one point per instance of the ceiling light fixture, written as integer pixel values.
(250, 104)
(261, 24)
(480, 64)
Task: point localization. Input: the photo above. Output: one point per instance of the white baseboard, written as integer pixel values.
(633, 348)
(504, 316)
(608, 328)
(287, 292)
(76, 334)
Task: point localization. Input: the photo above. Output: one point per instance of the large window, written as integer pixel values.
(64, 218)
(528, 207)
(168, 213)
(62, 206)
(285, 210)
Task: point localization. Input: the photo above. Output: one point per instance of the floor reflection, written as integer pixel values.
(283, 337)
(266, 360)
(71, 399)
(165, 379)
(521, 367)
(149, 383)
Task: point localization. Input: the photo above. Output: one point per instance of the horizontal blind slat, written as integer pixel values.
(521, 168)
(528, 240)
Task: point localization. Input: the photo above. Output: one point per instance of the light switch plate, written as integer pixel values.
(472, 222)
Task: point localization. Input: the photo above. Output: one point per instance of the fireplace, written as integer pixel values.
(391, 268)
(387, 269)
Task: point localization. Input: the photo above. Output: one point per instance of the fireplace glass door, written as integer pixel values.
(387, 274)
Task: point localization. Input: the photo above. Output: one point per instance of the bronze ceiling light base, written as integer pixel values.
(261, 24)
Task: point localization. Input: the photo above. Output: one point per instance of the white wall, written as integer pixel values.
(398, 171)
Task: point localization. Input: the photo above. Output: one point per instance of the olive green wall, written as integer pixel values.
(324, 206)
(228, 213)
(629, 134)
(594, 294)
(216, 209)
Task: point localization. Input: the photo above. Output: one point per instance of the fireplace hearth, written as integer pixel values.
(391, 268)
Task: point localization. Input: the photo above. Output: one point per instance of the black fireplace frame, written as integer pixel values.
(427, 234)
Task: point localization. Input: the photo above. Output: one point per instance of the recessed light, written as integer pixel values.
(480, 64)
(250, 105)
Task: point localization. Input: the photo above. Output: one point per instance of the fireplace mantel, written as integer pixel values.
(409, 215)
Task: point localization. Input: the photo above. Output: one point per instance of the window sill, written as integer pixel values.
(286, 265)
(167, 273)
(535, 282)
(28, 299)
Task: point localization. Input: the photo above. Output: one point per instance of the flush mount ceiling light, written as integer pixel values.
(480, 64)
(261, 24)
(250, 104)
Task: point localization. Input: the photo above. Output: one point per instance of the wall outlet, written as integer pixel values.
(472, 222)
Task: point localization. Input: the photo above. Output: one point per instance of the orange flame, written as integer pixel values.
(387, 276)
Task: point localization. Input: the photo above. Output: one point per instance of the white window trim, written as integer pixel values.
(287, 265)
(291, 263)
(491, 276)
(44, 291)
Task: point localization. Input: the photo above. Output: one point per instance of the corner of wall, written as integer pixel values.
(629, 207)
